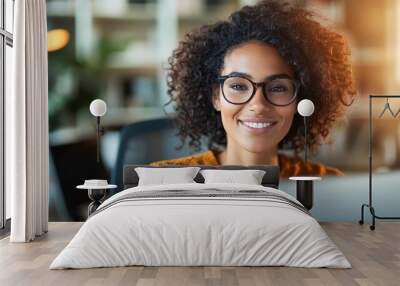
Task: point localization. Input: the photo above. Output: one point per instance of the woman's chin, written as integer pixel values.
(260, 148)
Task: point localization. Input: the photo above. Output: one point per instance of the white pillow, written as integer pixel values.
(249, 177)
(162, 176)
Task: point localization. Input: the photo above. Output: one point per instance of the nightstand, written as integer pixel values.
(304, 190)
(97, 193)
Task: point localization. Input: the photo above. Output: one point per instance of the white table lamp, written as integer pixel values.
(98, 108)
(305, 108)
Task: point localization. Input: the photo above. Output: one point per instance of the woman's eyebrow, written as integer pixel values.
(279, 75)
(273, 76)
(235, 73)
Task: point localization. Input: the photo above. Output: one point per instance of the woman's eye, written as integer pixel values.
(238, 87)
(278, 88)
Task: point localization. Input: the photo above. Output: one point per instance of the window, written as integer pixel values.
(6, 43)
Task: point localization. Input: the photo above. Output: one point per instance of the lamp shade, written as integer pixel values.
(305, 107)
(98, 107)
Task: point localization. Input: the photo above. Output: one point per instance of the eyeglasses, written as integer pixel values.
(279, 90)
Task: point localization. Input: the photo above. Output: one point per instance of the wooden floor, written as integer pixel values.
(375, 257)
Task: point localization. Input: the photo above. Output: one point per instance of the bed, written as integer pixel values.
(201, 224)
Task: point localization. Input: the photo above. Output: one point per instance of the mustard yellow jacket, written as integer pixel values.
(289, 166)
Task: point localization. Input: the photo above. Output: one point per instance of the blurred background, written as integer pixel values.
(118, 50)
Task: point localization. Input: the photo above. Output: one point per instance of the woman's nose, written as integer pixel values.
(259, 101)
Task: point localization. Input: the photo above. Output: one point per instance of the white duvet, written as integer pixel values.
(183, 231)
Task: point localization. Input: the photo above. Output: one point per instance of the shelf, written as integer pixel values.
(115, 119)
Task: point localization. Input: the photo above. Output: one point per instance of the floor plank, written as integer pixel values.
(374, 255)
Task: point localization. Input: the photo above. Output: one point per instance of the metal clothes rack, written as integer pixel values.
(369, 205)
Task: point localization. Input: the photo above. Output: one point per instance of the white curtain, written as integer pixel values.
(27, 123)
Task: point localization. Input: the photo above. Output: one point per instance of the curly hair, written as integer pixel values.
(318, 56)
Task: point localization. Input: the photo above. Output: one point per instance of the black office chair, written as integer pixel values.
(57, 208)
(145, 142)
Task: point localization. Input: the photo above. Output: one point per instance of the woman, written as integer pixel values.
(237, 84)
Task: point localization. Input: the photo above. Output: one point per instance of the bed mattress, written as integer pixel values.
(201, 225)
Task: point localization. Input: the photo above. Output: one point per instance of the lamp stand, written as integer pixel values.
(98, 131)
(305, 139)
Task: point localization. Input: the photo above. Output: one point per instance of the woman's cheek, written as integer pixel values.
(229, 115)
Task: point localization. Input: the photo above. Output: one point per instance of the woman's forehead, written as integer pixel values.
(259, 60)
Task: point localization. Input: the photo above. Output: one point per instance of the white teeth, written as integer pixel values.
(257, 124)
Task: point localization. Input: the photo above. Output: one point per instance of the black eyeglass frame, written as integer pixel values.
(221, 79)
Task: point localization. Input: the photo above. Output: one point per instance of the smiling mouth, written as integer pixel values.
(258, 125)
